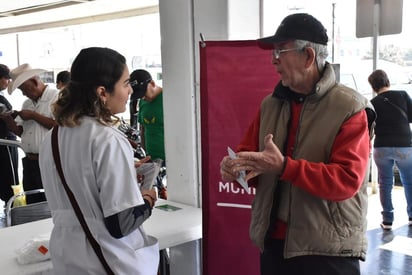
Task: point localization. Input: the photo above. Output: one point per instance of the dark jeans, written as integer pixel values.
(273, 263)
(32, 180)
(8, 171)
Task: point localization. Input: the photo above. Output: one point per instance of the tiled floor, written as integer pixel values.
(389, 252)
(382, 261)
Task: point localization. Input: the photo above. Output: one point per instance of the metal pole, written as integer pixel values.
(376, 21)
(261, 18)
(18, 49)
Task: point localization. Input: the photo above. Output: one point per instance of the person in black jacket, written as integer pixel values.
(392, 143)
(8, 154)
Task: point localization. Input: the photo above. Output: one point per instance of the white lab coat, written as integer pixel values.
(98, 165)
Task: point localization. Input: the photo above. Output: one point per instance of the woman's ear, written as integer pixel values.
(102, 94)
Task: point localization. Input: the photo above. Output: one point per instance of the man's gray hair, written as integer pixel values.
(320, 50)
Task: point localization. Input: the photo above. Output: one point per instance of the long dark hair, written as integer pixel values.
(93, 67)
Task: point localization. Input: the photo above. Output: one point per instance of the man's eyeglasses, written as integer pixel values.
(276, 52)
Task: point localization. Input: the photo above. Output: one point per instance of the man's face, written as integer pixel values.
(59, 85)
(31, 89)
(4, 82)
(290, 64)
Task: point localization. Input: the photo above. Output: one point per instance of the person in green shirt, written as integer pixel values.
(149, 97)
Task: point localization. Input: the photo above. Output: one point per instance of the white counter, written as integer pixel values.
(171, 228)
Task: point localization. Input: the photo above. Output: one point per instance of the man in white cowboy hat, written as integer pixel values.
(33, 121)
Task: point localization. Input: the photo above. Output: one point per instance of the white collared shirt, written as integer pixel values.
(97, 162)
(33, 133)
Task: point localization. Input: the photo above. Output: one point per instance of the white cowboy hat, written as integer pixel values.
(20, 75)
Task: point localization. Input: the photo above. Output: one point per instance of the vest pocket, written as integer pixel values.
(336, 218)
(343, 218)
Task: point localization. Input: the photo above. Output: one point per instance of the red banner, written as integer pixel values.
(234, 78)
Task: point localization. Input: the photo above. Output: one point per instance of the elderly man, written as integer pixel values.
(309, 146)
(33, 121)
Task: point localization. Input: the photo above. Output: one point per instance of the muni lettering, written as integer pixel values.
(235, 188)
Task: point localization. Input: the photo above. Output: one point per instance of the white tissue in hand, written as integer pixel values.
(35, 250)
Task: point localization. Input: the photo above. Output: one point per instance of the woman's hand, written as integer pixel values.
(150, 195)
(139, 162)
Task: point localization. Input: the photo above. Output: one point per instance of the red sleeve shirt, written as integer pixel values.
(346, 169)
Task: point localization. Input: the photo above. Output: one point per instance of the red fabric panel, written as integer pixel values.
(234, 78)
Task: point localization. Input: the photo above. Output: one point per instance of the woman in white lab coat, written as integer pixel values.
(97, 162)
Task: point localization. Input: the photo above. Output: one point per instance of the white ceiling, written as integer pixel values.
(26, 15)
(19, 7)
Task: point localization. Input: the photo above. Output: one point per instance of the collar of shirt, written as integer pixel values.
(285, 93)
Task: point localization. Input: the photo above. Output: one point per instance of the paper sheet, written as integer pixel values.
(149, 170)
(241, 179)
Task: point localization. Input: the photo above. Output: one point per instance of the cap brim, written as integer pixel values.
(267, 43)
(270, 42)
(23, 77)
